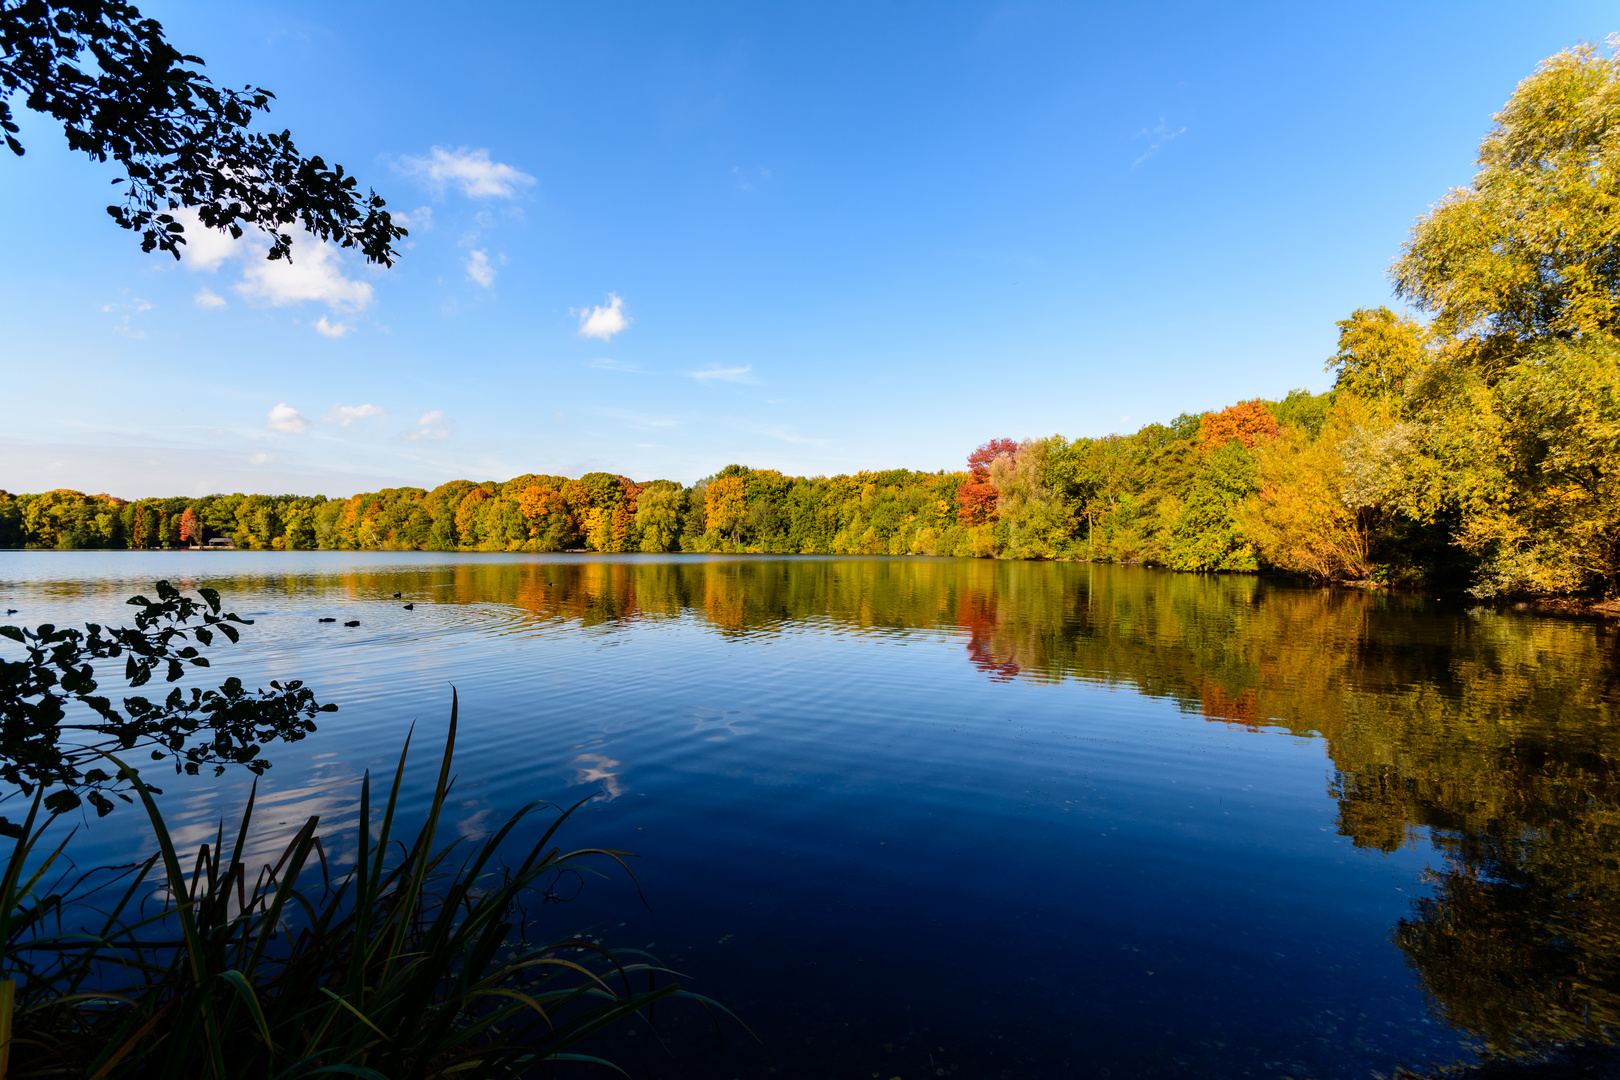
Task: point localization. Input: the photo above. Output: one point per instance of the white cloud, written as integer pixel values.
(262, 459)
(205, 248)
(729, 374)
(470, 170)
(331, 329)
(420, 219)
(315, 273)
(430, 428)
(288, 419)
(603, 322)
(479, 270)
(344, 415)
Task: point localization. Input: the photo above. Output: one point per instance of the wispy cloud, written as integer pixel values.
(208, 298)
(471, 171)
(744, 181)
(636, 419)
(285, 418)
(1158, 134)
(347, 415)
(262, 459)
(331, 329)
(479, 269)
(130, 309)
(603, 322)
(430, 428)
(789, 436)
(607, 363)
(729, 374)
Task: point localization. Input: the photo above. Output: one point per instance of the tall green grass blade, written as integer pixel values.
(188, 923)
(238, 982)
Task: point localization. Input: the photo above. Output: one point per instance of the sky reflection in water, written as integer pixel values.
(910, 815)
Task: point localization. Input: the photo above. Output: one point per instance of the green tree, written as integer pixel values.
(1208, 532)
(658, 515)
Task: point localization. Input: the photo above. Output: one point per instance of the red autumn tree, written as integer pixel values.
(976, 499)
(190, 527)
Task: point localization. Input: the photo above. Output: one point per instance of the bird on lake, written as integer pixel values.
(352, 622)
(328, 620)
(410, 607)
(11, 611)
(396, 596)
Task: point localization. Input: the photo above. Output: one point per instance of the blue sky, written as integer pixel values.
(656, 239)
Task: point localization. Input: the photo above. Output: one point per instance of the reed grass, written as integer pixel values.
(415, 963)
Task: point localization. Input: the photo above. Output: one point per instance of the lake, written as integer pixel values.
(918, 817)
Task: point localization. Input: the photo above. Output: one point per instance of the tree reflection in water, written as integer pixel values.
(1493, 736)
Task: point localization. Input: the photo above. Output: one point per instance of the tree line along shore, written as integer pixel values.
(1323, 485)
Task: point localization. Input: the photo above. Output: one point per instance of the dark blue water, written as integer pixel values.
(912, 817)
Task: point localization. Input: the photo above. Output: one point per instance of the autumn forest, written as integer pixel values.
(1468, 444)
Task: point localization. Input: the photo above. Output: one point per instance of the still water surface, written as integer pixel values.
(915, 817)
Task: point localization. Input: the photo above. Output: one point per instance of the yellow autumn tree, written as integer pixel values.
(725, 505)
(1307, 518)
(1379, 352)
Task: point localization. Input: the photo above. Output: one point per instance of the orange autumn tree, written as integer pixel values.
(190, 528)
(1248, 422)
(552, 526)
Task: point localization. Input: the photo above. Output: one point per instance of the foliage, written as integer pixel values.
(976, 499)
(1380, 353)
(121, 91)
(1303, 517)
(1249, 422)
(416, 963)
(55, 728)
(1540, 472)
(1529, 249)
